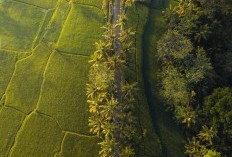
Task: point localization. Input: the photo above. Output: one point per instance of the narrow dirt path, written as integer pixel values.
(116, 13)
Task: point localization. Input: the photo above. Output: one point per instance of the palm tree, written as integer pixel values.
(207, 134)
(193, 147)
(110, 112)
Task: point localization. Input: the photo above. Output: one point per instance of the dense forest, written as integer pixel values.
(195, 57)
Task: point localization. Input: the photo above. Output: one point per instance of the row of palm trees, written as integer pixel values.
(110, 97)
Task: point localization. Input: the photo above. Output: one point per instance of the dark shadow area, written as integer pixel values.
(171, 135)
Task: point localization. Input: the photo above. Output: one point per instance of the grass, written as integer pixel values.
(7, 63)
(20, 24)
(151, 141)
(23, 55)
(78, 146)
(10, 129)
(51, 91)
(170, 135)
(37, 130)
(82, 29)
(2, 101)
(56, 23)
(43, 28)
(96, 3)
(41, 3)
(63, 93)
(24, 88)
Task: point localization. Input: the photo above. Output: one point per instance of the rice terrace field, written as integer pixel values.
(45, 46)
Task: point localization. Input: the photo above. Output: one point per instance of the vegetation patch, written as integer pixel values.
(41, 3)
(10, 129)
(38, 136)
(63, 92)
(171, 139)
(96, 3)
(24, 88)
(79, 146)
(137, 19)
(7, 63)
(43, 28)
(195, 59)
(56, 23)
(82, 29)
(20, 24)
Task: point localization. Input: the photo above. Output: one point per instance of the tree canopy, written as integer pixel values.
(195, 58)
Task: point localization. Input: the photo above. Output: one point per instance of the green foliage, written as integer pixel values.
(195, 149)
(212, 153)
(186, 114)
(186, 18)
(173, 46)
(200, 33)
(129, 3)
(207, 134)
(175, 86)
(112, 121)
(206, 24)
(183, 68)
(198, 66)
(218, 108)
(202, 146)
